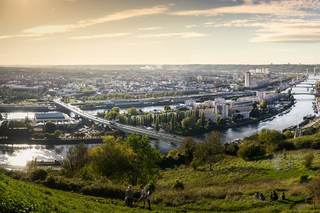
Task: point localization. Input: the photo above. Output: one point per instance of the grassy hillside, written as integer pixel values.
(229, 187)
(18, 196)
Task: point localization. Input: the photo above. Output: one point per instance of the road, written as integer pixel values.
(125, 128)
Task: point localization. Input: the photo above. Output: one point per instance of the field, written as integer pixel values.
(229, 187)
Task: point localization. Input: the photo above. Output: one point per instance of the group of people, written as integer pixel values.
(133, 202)
(273, 196)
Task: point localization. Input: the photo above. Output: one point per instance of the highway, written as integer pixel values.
(125, 128)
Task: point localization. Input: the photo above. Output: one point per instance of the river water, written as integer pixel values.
(18, 155)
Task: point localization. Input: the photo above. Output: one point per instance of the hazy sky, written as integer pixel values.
(53, 32)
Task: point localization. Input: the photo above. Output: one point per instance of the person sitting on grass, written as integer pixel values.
(262, 197)
(274, 196)
(282, 196)
(271, 196)
(256, 195)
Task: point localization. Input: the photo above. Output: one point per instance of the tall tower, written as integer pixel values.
(247, 79)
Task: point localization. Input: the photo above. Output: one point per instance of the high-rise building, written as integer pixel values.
(247, 79)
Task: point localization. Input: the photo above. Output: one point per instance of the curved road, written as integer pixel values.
(125, 128)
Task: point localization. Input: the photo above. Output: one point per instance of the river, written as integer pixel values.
(18, 155)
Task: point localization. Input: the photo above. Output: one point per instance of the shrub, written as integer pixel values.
(303, 142)
(50, 182)
(251, 150)
(307, 160)
(314, 188)
(304, 178)
(178, 185)
(152, 186)
(38, 174)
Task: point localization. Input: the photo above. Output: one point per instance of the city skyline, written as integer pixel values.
(63, 32)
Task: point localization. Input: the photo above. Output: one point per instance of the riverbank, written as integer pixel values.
(240, 123)
(51, 142)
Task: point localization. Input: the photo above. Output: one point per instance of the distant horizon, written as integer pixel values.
(200, 64)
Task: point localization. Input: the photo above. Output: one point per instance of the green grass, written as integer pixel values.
(229, 187)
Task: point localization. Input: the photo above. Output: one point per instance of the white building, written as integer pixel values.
(191, 103)
(222, 109)
(247, 79)
(60, 119)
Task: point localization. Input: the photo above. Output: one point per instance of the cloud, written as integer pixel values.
(190, 26)
(150, 28)
(181, 35)
(101, 36)
(300, 32)
(273, 7)
(49, 29)
(4, 37)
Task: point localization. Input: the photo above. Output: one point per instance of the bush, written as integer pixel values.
(152, 186)
(251, 150)
(38, 174)
(50, 182)
(304, 178)
(178, 185)
(303, 142)
(307, 160)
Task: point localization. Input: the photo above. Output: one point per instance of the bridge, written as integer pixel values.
(302, 93)
(125, 128)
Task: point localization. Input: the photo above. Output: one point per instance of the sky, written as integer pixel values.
(88, 32)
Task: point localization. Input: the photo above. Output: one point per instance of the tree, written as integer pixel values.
(69, 127)
(77, 157)
(289, 92)
(1, 117)
(116, 109)
(186, 123)
(277, 90)
(211, 150)
(4, 129)
(221, 121)
(132, 111)
(254, 112)
(271, 138)
(84, 98)
(288, 134)
(112, 115)
(79, 134)
(202, 120)
(167, 108)
(113, 160)
(251, 150)
(188, 148)
(146, 161)
(57, 133)
(50, 127)
(156, 124)
(263, 105)
(173, 123)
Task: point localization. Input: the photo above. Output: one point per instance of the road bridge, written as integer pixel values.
(125, 128)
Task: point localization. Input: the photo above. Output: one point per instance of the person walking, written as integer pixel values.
(129, 196)
(149, 197)
(143, 196)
